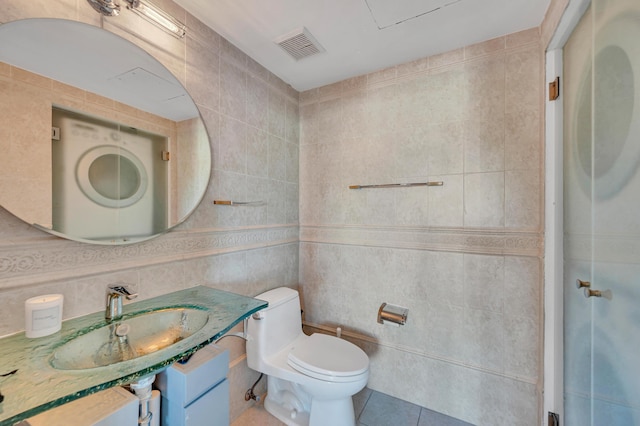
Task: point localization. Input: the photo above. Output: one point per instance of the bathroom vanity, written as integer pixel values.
(46, 377)
(196, 393)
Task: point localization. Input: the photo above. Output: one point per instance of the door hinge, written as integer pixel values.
(554, 419)
(166, 156)
(55, 133)
(554, 89)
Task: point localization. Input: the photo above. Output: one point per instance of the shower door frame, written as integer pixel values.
(553, 396)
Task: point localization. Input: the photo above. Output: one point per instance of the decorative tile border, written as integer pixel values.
(40, 260)
(480, 241)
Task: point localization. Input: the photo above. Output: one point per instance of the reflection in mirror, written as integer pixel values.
(100, 142)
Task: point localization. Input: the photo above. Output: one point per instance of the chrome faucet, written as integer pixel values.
(115, 293)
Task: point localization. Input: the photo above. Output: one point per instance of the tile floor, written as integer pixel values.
(372, 409)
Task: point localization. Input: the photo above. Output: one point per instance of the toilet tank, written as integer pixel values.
(272, 328)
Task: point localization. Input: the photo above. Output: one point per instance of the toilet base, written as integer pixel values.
(293, 406)
(287, 402)
(335, 412)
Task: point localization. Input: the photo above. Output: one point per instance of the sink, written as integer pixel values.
(134, 336)
(37, 386)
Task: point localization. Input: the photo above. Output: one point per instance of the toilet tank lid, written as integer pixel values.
(277, 296)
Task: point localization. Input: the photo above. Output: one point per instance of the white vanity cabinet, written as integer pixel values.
(196, 393)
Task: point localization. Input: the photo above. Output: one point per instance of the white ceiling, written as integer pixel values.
(360, 36)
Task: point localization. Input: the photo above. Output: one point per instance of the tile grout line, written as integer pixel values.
(364, 407)
(420, 415)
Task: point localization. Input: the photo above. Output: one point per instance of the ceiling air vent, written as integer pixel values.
(299, 44)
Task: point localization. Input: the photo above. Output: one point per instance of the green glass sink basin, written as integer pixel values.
(38, 386)
(134, 336)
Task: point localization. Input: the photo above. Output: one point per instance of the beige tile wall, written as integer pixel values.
(465, 258)
(252, 120)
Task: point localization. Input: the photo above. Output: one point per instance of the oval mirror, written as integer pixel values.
(100, 142)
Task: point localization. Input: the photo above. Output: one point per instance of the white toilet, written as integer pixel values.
(311, 379)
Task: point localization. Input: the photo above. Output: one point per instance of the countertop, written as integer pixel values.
(37, 386)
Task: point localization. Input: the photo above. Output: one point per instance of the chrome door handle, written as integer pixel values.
(592, 293)
(582, 284)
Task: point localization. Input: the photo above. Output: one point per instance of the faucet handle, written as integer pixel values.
(121, 289)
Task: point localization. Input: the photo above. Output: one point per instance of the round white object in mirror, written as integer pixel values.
(101, 143)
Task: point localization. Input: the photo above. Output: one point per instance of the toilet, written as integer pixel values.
(310, 379)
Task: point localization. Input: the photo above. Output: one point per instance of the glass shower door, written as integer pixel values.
(578, 249)
(602, 216)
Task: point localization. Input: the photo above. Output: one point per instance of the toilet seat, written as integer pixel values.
(328, 358)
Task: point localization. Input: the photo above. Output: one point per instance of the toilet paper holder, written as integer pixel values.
(392, 314)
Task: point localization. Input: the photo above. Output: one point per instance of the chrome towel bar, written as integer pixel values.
(237, 203)
(397, 185)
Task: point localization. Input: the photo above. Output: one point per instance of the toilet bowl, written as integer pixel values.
(310, 379)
